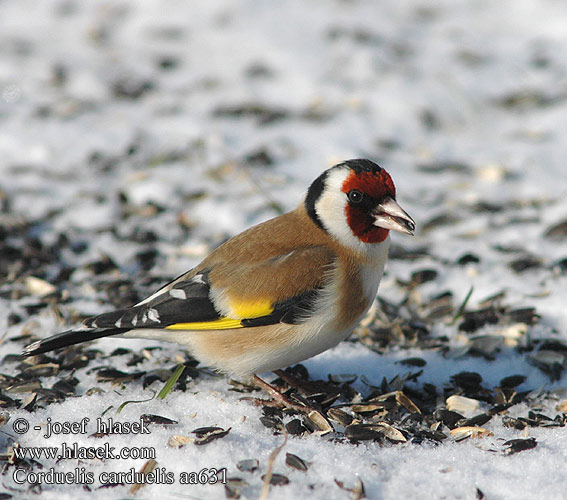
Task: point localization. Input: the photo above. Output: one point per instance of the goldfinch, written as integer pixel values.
(278, 293)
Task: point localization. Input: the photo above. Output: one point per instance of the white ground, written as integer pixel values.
(370, 75)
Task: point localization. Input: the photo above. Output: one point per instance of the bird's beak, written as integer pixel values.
(390, 215)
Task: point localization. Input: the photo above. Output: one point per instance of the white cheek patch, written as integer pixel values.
(330, 208)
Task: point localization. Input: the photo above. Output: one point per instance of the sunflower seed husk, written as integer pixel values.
(39, 287)
(548, 358)
(362, 432)
(278, 479)
(339, 416)
(462, 433)
(512, 381)
(248, 465)
(391, 433)
(343, 378)
(157, 419)
(295, 427)
(4, 417)
(207, 434)
(295, 462)
(318, 422)
(462, 404)
(178, 441)
(25, 386)
(518, 445)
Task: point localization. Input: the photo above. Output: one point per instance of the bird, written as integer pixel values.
(278, 293)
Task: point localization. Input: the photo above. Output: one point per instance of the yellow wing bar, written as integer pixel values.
(239, 308)
(248, 309)
(218, 324)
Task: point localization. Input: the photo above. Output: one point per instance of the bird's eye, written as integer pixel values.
(355, 196)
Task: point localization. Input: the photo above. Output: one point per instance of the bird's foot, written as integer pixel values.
(279, 399)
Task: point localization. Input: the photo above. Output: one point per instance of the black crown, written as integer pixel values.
(360, 165)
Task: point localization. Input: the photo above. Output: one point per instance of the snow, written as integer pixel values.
(408, 84)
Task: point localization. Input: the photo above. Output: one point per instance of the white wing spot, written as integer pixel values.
(153, 315)
(134, 320)
(176, 293)
(198, 278)
(118, 323)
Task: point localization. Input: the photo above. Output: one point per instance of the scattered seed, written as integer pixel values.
(248, 465)
(468, 258)
(512, 381)
(362, 432)
(397, 252)
(473, 320)
(277, 479)
(557, 232)
(231, 491)
(419, 362)
(24, 386)
(95, 391)
(439, 220)
(391, 433)
(461, 404)
(116, 376)
(524, 263)
(406, 402)
(448, 417)
(462, 433)
(66, 386)
(477, 420)
(518, 445)
(339, 416)
(368, 408)
(41, 370)
(178, 441)
(4, 417)
(423, 276)
(357, 490)
(271, 422)
(150, 377)
(203, 431)
(316, 421)
(444, 167)
(121, 351)
(295, 427)
(7, 402)
(344, 378)
(207, 434)
(467, 380)
(295, 462)
(157, 419)
(29, 401)
(263, 114)
(38, 287)
(147, 468)
(548, 358)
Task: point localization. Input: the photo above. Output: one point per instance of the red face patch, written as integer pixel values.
(362, 226)
(376, 186)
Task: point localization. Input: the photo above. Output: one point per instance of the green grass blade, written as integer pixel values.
(462, 307)
(171, 382)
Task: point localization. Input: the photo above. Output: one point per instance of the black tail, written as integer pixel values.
(70, 337)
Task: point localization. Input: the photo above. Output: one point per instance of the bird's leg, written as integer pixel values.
(279, 398)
